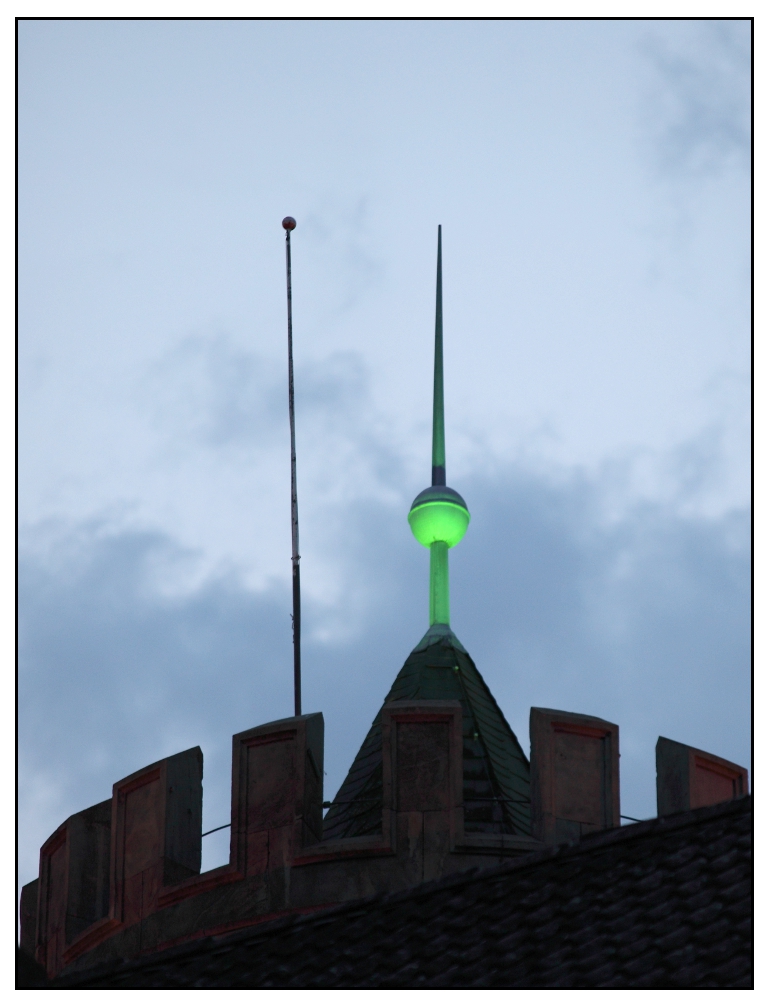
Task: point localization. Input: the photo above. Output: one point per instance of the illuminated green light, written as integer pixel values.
(439, 518)
(439, 521)
(439, 583)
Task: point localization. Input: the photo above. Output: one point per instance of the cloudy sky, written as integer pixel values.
(592, 179)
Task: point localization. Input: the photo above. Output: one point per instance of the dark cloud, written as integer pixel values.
(699, 111)
(642, 620)
(111, 671)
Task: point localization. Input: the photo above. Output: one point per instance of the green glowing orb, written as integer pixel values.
(439, 514)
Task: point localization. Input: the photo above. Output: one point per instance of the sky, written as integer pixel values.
(593, 183)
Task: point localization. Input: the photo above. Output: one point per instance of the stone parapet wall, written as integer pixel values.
(122, 879)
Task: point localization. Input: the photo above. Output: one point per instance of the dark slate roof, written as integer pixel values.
(658, 905)
(495, 768)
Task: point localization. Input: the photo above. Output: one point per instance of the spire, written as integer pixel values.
(439, 516)
(495, 781)
(439, 443)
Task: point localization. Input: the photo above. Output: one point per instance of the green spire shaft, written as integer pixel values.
(439, 443)
(439, 583)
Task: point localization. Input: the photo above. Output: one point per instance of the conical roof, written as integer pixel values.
(495, 769)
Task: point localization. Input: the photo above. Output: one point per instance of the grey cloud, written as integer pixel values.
(210, 393)
(341, 243)
(700, 109)
(696, 466)
(214, 392)
(219, 394)
(643, 621)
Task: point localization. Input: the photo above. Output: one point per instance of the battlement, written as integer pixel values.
(122, 878)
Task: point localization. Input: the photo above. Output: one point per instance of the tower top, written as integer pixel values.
(439, 516)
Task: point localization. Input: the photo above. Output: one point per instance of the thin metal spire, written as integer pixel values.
(289, 224)
(439, 444)
(439, 516)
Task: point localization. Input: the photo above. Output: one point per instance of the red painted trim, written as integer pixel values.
(720, 769)
(375, 850)
(566, 727)
(144, 779)
(257, 741)
(91, 937)
(55, 841)
(198, 884)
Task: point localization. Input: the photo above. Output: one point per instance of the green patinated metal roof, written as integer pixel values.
(495, 768)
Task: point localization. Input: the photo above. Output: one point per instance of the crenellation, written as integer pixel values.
(687, 778)
(156, 833)
(118, 879)
(89, 868)
(28, 914)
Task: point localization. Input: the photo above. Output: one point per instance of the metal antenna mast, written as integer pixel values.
(289, 224)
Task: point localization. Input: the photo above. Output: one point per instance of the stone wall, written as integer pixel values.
(123, 878)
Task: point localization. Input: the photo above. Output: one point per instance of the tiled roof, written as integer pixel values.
(656, 905)
(495, 768)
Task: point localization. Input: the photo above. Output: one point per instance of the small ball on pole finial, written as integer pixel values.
(288, 222)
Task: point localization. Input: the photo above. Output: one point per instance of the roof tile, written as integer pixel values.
(496, 783)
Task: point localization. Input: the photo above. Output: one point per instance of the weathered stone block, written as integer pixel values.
(156, 833)
(73, 884)
(89, 847)
(277, 792)
(28, 917)
(574, 775)
(422, 783)
(687, 778)
(52, 901)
